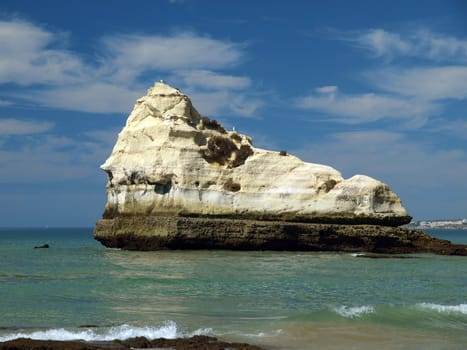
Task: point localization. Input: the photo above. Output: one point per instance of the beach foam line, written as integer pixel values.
(353, 311)
(268, 334)
(168, 330)
(461, 308)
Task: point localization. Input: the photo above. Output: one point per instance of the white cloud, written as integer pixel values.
(206, 79)
(382, 43)
(10, 126)
(45, 158)
(91, 97)
(105, 136)
(410, 93)
(391, 156)
(428, 83)
(361, 108)
(440, 47)
(421, 43)
(4, 103)
(327, 89)
(28, 57)
(20, 38)
(456, 128)
(214, 93)
(356, 139)
(130, 55)
(212, 103)
(32, 55)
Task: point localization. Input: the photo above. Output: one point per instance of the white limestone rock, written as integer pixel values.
(169, 160)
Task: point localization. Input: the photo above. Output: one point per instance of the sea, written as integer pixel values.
(79, 289)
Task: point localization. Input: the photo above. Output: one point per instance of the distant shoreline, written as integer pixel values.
(460, 224)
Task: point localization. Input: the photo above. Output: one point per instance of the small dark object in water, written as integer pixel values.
(42, 246)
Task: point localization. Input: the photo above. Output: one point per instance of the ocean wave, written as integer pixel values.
(353, 311)
(461, 308)
(168, 330)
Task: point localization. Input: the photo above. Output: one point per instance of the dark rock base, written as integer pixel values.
(175, 232)
(193, 343)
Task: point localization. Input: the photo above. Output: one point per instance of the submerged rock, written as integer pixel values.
(42, 246)
(172, 167)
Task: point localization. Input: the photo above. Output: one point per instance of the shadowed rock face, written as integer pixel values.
(172, 171)
(171, 232)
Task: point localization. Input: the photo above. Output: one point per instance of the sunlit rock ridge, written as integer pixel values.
(173, 174)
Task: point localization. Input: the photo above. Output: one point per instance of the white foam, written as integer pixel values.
(461, 308)
(264, 334)
(168, 330)
(354, 311)
(270, 334)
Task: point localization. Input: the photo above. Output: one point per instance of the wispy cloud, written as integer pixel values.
(91, 97)
(406, 161)
(10, 126)
(47, 158)
(128, 56)
(214, 93)
(364, 108)
(421, 43)
(224, 102)
(206, 79)
(428, 83)
(32, 56)
(413, 91)
(381, 43)
(456, 128)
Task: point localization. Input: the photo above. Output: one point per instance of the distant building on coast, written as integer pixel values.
(439, 224)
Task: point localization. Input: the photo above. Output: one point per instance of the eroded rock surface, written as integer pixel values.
(169, 160)
(179, 180)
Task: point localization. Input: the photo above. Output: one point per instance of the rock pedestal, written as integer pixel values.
(172, 232)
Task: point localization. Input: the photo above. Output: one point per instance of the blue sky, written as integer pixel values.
(375, 88)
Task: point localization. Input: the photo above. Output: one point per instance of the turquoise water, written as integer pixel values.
(78, 289)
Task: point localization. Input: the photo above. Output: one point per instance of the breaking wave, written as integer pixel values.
(168, 330)
(461, 308)
(354, 311)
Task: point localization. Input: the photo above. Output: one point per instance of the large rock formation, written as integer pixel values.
(180, 180)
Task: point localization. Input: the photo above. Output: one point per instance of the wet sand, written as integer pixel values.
(337, 336)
